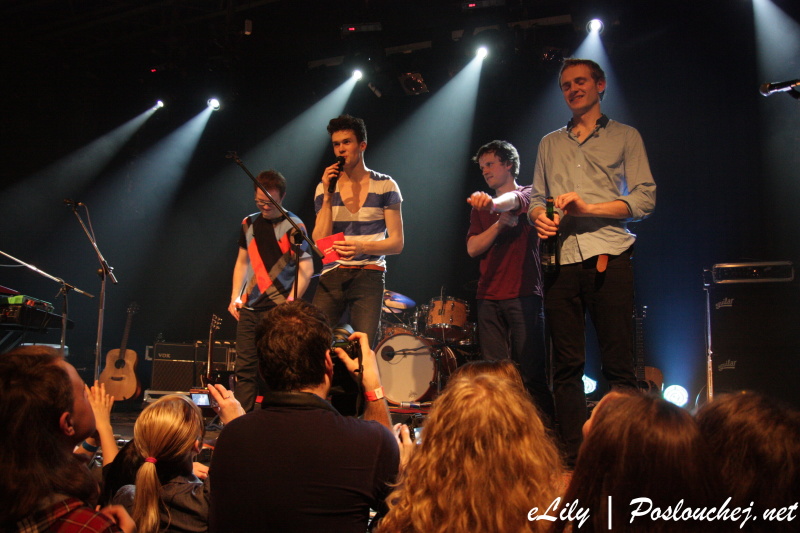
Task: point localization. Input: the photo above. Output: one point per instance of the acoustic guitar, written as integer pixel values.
(119, 375)
(650, 379)
(215, 372)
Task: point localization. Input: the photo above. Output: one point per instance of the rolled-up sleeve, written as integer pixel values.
(641, 193)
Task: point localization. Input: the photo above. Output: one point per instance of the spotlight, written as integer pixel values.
(677, 395)
(214, 104)
(159, 104)
(482, 52)
(357, 75)
(595, 26)
(589, 385)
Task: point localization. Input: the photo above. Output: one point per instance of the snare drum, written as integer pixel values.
(447, 319)
(408, 368)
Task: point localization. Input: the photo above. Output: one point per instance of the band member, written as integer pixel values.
(365, 206)
(263, 277)
(597, 171)
(509, 299)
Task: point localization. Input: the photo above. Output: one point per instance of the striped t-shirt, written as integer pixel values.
(368, 223)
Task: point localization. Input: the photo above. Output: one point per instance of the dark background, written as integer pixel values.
(684, 73)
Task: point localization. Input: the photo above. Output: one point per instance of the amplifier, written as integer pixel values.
(177, 367)
(763, 272)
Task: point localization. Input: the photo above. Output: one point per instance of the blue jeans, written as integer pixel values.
(608, 298)
(515, 328)
(248, 379)
(357, 290)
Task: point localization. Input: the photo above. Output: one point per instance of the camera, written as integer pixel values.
(202, 398)
(341, 340)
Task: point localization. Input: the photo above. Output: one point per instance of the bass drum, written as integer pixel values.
(408, 368)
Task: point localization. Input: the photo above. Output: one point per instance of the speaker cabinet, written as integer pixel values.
(755, 339)
(177, 367)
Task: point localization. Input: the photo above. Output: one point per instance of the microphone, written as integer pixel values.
(771, 88)
(332, 183)
(72, 203)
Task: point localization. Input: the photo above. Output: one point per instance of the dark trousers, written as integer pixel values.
(515, 329)
(248, 379)
(608, 298)
(359, 291)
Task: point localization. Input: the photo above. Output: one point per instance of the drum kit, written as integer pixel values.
(419, 345)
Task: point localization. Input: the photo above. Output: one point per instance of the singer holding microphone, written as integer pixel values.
(263, 278)
(364, 206)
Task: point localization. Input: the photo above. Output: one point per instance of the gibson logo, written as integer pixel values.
(727, 365)
(726, 302)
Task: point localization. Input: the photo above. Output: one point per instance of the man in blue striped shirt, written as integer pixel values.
(364, 205)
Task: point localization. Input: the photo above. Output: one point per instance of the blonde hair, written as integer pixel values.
(503, 368)
(485, 460)
(166, 431)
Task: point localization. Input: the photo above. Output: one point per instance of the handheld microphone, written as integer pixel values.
(332, 183)
(72, 203)
(778, 87)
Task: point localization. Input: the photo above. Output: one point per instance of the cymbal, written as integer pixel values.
(397, 301)
(392, 310)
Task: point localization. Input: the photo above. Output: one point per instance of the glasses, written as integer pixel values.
(261, 203)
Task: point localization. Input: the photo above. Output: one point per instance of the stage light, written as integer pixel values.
(589, 385)
(159, 104)
(214, 104)
(482, 52)
(595, 26)
(413, 83)
(357, 74)
(677, 395)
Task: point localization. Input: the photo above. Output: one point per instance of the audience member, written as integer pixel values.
(103, 438)
(167, 496)
(755, 444)
(297, 464)
(503, 368)
(641, 446)
(46, 413)
(484, 461)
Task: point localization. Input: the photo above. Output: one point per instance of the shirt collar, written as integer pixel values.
(302, 400)
(602, 122)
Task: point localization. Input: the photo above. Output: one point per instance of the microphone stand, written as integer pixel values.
(105, 271)
(279, 207)
(64, 291)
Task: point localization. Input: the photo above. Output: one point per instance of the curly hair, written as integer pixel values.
(754, 443)
(504, 368)
(347, 122)
(166, 430)
(292, 341)
(35, 390)
(504, 151)
(485, 460)
(642, 446)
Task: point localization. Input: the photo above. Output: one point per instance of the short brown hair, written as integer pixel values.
(272, 179)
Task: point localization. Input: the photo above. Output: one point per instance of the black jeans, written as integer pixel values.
(608, 298)
(515, 328)
(248, 380)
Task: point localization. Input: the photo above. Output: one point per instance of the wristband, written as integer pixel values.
(88, 447)
(374, 395)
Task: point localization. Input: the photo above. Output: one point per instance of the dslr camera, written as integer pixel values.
(341, 340)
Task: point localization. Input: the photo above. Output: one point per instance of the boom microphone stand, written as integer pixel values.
(279, 207)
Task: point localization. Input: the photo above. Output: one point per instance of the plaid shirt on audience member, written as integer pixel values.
(69, 515)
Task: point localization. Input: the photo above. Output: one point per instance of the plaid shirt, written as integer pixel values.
(69, 515)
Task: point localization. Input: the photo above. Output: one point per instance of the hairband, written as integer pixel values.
(151, 460)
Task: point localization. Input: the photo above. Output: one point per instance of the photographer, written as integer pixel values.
(297, 464)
